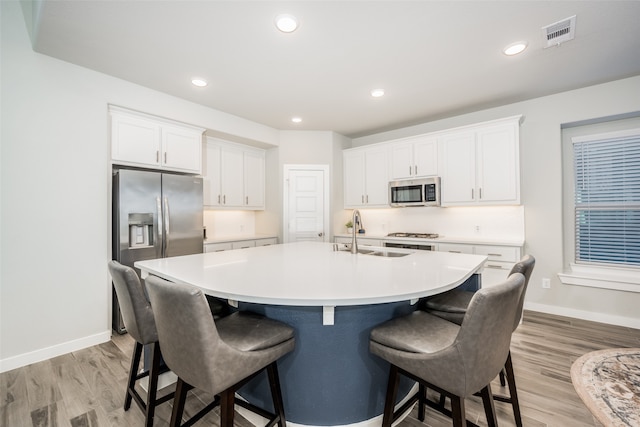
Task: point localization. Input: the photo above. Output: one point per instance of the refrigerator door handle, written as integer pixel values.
(167, 215)
(159, 244)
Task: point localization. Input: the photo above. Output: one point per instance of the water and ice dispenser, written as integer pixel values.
(140, 230)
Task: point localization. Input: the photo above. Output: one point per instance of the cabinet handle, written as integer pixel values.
(224, 199)
(157, 156)
(367, 198)
(409, 169)
(247, 199)
(480, 192)
(455, 252)
(218, 199)
(472, 193)
(165, 157)
(494, 254)
(497, 267)
(362, 197)
(416, 169)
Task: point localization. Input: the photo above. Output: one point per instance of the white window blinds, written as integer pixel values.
(607, 198)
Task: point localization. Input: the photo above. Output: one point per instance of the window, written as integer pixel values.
(601, 203)
(607, 198)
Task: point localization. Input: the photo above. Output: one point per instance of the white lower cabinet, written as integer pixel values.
(239, 244)
(500, 259)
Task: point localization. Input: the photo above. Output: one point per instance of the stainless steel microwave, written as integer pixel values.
(415, 192)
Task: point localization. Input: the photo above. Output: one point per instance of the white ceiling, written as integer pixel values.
(433, 58)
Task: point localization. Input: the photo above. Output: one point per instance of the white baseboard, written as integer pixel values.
(629, 322)
(57, 350)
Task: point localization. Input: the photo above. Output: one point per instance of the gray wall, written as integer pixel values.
(542, 195)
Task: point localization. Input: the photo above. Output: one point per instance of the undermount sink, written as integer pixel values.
(376, 252)
(364, 251)
(390, 254)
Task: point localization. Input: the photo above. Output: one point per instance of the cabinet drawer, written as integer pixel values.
(217, 247)
(499, 253)
(243, 244)
(455, 248)
(266, 242)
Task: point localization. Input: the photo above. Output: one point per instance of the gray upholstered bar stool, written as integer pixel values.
(455, 360)
(452, 306)
(139, 321)
(218, 356)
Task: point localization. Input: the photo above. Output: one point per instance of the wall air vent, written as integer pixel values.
(559, 32)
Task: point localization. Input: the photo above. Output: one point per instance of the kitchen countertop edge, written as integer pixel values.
(480, 240)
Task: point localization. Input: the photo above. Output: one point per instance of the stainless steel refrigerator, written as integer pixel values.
(155, 215)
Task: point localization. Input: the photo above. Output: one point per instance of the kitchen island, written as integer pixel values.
(332, 299)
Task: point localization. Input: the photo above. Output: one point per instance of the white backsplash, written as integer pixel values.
(486, 221)
(229, 223)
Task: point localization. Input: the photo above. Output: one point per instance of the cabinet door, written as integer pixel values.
(401, 164)
(376, 177)
(232, 176)
(458, 170)
(354, 174)
(498, 177)
(181, 149)
(211, 175)
(135, 141)
(425, 157)
(254, 179)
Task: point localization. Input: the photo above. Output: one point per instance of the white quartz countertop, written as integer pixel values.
(313, 274)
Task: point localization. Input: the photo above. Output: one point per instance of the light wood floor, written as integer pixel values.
(86, 387)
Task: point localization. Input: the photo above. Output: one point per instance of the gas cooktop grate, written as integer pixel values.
(414, 235)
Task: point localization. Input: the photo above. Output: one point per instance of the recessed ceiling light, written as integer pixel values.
(199, 82)
(286, 23)
(296, 119)
(377, 93)
(515, 48)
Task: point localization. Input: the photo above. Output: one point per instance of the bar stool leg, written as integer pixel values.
(513, 392)
(390, 399)
(135, 361)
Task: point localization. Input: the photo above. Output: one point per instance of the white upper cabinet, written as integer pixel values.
(146, 141)
(233, 175)
(480, 165)
(414, 157)
(254, 178)
(366, 179)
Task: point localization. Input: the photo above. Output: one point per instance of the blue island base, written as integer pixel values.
(330, 378)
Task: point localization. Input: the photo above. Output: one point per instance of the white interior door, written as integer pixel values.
(306, 203)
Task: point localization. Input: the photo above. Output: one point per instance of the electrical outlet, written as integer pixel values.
(477, 228)
(546, 283)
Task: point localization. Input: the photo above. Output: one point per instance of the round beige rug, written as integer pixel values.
(608, 382)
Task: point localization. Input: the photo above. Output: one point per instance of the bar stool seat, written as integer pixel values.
(139, 320)
(217, 355)
(455, 360)
(452, 306)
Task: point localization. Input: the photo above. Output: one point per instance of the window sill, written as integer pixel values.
(620, 279)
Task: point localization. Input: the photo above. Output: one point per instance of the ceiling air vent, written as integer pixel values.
(559, 32)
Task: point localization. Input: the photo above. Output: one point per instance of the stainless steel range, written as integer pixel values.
(411, 245)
